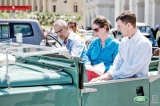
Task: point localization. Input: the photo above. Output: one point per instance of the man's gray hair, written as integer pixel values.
(60, 22)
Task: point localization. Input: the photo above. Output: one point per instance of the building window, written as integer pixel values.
(54, 8)
(75, 8)
(41, 9)
(36, 8)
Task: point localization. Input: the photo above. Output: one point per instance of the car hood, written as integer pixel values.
(32, 75)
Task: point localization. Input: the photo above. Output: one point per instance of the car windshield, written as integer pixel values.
(145, 29)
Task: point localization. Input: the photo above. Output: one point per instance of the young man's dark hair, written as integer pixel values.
(127, 17)
(72, 22)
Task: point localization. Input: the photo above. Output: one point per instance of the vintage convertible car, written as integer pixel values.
(41, 76)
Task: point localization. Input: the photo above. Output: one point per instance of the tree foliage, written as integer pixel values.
(43, 18)
(4, 15)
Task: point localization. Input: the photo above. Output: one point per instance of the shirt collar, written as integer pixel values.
(71, 36)
(135, 37)
(108, 40)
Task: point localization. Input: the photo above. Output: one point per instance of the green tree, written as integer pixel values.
(4, 15)
(49, 19)
(20, 15)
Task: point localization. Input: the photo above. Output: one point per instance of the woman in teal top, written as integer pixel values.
(103, 49)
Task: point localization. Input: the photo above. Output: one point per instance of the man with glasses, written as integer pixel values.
(73, 25)
(74, 43)
(134, 53)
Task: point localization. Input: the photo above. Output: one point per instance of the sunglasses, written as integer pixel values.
(96, 29)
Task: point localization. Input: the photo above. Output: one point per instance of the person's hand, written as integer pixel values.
(95, 80)
(104, 77)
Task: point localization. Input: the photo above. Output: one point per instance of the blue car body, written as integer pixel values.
(30, 29)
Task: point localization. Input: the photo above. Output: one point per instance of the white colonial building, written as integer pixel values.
(59, 6)
(93, 8)
(147, 11)
(73, 7)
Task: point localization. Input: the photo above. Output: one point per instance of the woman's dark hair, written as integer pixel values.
(101, 21)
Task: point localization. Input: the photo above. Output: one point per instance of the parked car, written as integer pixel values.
(88, 35)
(42, 77)
(146, 30)
(30, 29)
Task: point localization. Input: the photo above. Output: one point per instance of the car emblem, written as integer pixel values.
(140, 99)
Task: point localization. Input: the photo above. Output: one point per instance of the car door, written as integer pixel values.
(122, 92)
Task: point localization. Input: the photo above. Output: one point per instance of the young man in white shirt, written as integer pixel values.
(134, 53)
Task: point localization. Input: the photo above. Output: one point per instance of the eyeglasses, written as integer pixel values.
(59, 31)
(96, 29)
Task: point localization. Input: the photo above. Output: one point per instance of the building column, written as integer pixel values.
(5, 4)
(1, 2)
(125, 5)
(147, 15)
(132, 6)
(10, 4)
(84, 14)
(44, 5)
(21, 2)
(26, 3)
(117, 10)
(49, 6)
(38, 5)
(15, 2)
(33, 5)
(140, 10)
(155, 13)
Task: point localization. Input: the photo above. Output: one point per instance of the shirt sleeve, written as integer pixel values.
(142, 56)
(88, 54)
(115, 51)
(118, 61)
(79, 50)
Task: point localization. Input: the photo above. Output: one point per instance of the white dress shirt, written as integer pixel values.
(76, 46)
(133, 58)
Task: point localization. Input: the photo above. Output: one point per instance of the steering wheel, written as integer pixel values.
(52, 41)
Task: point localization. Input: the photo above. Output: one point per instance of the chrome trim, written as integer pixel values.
(88, 90)
(114, 81)
(4, 23)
